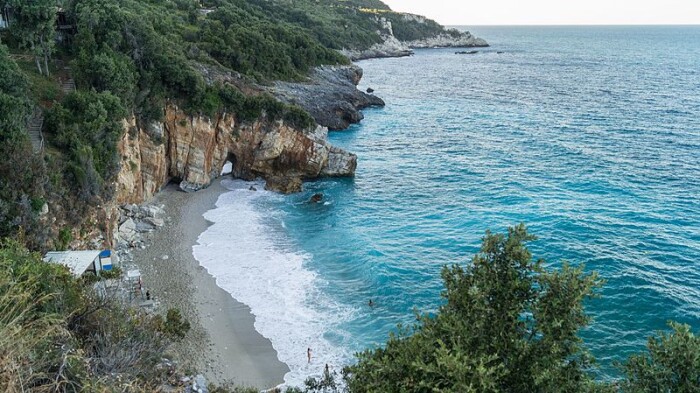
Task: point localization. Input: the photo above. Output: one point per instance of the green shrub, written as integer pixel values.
(64, 239)
(671, 364)
(174, 325)
(298, 117)
(37, 204)
(115, 273)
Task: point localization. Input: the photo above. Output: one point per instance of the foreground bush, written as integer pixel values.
(56, 335)
(672, 364)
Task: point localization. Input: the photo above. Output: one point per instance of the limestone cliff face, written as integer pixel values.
(192, 150)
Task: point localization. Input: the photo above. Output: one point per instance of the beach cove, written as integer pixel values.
(223, 343)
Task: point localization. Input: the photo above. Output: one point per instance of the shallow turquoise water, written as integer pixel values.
(588, 135)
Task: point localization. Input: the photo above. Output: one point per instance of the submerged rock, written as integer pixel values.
(316, 198)
(285, 185)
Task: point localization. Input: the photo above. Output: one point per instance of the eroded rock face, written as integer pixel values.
(194, 149)
(197, 146)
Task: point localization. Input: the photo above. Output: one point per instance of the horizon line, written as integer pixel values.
(577, 24)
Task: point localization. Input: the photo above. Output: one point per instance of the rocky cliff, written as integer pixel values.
(330, 95)
(392, 46)
(193, 150)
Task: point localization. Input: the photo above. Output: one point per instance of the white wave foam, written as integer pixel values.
(259, 268)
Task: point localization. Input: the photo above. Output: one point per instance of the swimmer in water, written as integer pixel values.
(371, 303)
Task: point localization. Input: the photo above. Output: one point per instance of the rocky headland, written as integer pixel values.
(392, 46)
(330, 96)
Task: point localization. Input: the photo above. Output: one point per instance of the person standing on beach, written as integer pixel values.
(308, 354)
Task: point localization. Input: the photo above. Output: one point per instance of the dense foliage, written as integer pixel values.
(21, 177)
(33, 24)
(57, 335)
(87, 125)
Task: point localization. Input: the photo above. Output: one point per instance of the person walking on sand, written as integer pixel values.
(308, 354)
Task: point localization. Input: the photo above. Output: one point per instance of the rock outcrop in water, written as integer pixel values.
(194, 149)
(330, 95)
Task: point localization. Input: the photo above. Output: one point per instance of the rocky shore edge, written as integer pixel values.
(391, 46)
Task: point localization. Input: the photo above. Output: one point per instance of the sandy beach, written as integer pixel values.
(222, 344)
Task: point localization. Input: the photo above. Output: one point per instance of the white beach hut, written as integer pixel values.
(79, 262)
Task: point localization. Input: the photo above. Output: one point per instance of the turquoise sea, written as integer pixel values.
(590, 135)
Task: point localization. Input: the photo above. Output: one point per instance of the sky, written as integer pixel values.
(553, 12)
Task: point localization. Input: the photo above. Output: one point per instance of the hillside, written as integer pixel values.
(134, 58)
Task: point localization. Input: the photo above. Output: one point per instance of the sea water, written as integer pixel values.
(589, 135)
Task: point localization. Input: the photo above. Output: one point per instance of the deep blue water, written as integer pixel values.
(589, 135)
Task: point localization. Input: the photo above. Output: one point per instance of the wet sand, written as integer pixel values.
(222, 343)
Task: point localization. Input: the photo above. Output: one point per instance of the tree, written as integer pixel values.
(507, 325)
(34, 24)
(671, 365)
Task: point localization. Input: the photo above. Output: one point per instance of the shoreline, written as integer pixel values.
(222, 344)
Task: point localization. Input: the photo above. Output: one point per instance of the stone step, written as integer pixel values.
(68, 86)
(34, 129)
